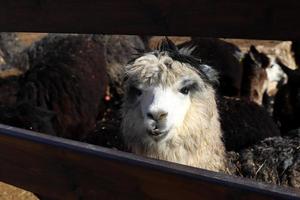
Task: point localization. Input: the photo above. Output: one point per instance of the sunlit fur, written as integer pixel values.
(276, 77)
(261, 74)
(197, 140)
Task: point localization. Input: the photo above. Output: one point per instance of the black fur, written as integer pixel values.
(207, 73)
(62, 92)
(222, 57)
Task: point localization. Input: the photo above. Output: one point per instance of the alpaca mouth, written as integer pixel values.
(156, 133)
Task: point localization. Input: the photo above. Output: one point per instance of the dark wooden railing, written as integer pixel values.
(267, 19)
(63, 169)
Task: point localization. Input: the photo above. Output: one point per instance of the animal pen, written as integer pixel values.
(59, 168)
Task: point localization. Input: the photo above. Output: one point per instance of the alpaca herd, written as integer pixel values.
(201, 103)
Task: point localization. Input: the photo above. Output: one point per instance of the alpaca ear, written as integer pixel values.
(253, 51)
(259, 58)
(211, 74)
(167, 45)
(187, 50)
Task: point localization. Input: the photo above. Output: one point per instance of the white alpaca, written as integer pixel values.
(169, 110)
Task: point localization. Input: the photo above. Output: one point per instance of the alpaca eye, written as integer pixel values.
(184, 90)
(135, 91)
(138, 92)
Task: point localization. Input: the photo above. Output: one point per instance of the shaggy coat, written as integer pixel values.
(274, 160)
(118, 51)
(244, 123)
(198, 140)
(62, 92)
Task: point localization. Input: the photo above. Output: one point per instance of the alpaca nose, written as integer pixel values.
(157, 115)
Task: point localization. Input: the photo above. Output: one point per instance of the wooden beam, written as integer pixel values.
(264, 19)
(63, 169)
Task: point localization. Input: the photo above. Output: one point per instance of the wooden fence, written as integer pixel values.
(63, 169)
(261, 19)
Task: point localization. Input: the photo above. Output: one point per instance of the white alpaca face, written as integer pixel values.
(159, 94)
(275, 72)
(275, 76)
(164, 108)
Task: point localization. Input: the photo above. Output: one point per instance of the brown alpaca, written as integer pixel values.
(61, 94)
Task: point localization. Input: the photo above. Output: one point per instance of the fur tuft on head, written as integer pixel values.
(184, 55)
(167, 45)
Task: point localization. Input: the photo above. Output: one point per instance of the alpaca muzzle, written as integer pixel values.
(157, 134)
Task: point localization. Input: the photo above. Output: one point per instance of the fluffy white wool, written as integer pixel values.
(194, 135)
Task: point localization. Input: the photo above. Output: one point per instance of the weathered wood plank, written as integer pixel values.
(65, 169)
(264, 19)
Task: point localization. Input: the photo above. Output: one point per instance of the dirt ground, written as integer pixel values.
(9, 192)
